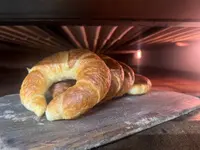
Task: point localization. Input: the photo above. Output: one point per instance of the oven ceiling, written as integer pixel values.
(100, 12)
(56, 25)
(100, 39)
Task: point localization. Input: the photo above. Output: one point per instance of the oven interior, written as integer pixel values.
(166, 32)
(158, 39)
(169, 55)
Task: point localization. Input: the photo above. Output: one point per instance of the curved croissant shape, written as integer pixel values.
(117, 76)
(117, 79)
(128, 79)
(141, 85)
(93, 82)
(59, 87)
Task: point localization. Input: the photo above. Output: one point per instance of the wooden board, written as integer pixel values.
(108, 122)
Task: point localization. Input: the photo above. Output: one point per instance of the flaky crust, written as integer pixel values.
(93, 82)
(32, 92)
(117, 79)
(128, 79)
(117, 76)
(142, 85)
(97, 80)
(60, 87)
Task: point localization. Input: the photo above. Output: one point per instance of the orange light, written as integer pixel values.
(182, 44)
(138, 54)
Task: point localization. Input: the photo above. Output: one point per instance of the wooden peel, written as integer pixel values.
(105, 123)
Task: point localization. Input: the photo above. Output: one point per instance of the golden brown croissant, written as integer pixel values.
(117, 76)
(141, 85)
(59, 87)
(93, 82)
(128, 79)
(117, 79)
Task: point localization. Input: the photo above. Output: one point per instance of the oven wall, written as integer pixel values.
(172, 57)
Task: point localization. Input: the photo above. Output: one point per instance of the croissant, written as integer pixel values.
(141, 85)
(117, 76)
(122, 79)
(128, 79)
(59, 87)
(132, 84)
(93, 80)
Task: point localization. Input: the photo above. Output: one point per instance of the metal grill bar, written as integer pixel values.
(150, 36)
(25, 36)
(171, 36)
(100, 39)
(119, 37)
(70, 34)
(24, 40)
(193, 36)
(84, 35)
(125, 42)
(108, 37)
(96, 37)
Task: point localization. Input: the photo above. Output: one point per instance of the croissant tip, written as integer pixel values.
(51, 116)
(39, 113)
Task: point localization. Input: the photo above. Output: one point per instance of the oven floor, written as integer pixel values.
(181, 133)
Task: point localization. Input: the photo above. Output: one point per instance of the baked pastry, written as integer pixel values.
(142, 85)
(130, 83)
(117, 76)
(97, 80)
(128, 79)
(92, 77)
(59, 87)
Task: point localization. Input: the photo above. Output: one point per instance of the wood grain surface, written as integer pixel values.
(106, 123)
(182, 133)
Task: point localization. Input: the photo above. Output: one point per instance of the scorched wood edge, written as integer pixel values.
(105, 123)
